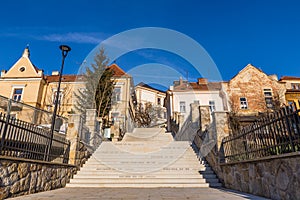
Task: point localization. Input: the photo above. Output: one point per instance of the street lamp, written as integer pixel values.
(64, 50)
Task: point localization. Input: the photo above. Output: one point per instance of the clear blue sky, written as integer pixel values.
(234, 32)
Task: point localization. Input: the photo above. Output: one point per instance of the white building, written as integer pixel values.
(183, 93)
(147, 94)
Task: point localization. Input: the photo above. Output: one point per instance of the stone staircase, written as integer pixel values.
(145, 158)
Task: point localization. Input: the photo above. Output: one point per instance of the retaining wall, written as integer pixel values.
(23, 176)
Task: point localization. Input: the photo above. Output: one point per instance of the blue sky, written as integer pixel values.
(234, 33)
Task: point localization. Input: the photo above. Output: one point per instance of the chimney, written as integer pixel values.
(55, 73)
(3, 72)
(274, 77)
(180, 81)
(202, 81)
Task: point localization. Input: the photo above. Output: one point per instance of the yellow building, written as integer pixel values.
(123, 103)
(292, 93)
(23, 82)
(33, 92)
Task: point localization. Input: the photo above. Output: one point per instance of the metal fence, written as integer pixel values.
(276, 133)
(31, 140)
(31, 114)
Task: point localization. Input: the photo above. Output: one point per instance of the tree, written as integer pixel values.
(142, 115)
(98, 87)
(147, 115)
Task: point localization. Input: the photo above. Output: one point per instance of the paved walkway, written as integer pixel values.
(138, 194)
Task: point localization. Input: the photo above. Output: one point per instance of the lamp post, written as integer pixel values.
(64, 50)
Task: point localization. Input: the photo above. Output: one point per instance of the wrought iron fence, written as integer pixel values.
(276, 133)
(31, 114)
(23, 139)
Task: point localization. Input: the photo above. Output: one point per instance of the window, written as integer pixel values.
(212, 106)
(114, 116)
(295, 86)
(59, 98)
(158, 101)
(116, 94)
(268, 98)
(22, 69)
(243, 103)
(17, 95)
(182, 106)
(290, 102)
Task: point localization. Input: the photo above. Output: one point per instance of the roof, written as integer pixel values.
(206, 87)
(210, 86)
(141, 84)
(26, 54)
(23, 68)
(117, 70)
(65, 78)
(289, 78)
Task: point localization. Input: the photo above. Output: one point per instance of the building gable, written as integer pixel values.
(23, 68)
(248, 89)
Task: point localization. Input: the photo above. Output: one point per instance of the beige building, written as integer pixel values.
(123, 103)
(252, 91)
(292, 85)
(147, 94)
(23, 82)
(27, 84)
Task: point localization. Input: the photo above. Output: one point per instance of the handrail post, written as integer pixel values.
(6, 124)
(288, 127)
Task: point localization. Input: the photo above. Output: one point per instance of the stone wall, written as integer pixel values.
(250, 83)
(275, 177)
(80, 151)
(22, 176)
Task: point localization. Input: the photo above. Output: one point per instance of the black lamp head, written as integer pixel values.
(65, 48)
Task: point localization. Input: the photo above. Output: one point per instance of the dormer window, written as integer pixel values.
(22, 69)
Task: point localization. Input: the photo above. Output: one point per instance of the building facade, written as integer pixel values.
(252, 91)
(28, 85)
(123, 103)
(183, 94)
(147, 94)
(292, 93)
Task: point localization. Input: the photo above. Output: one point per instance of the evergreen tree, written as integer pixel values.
(98, 87)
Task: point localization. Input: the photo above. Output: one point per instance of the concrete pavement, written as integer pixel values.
(139, 194)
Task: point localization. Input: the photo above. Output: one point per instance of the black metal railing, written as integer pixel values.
(276, 133)
(23, 139)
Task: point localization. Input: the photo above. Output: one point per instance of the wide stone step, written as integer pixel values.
(114, 172)
(118, 167)
(138, 180)
(140, 185)
(153, 162)
(145, 170)
(154, 176)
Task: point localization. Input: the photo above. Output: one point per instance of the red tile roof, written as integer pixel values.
(117, 70)
(289, 78)
(201, 87)
(65, 78)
